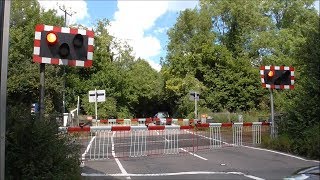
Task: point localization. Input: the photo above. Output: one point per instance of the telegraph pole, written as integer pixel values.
(4, 46)
(63, 8)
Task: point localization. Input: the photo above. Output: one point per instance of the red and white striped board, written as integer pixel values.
(37, 42)
(271, 86)
(161, 127)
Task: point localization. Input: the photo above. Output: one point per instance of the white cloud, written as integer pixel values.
(78, 8)
(161, 30)
(133, 18)
(154, 65)
(182, 5)
(317, 5)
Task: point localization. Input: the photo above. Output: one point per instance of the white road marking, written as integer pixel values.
(261, 149)
(208, 138)
(88, 147)
(196, 155)
(284, 154)
(174, 174)
(123, 171)
(187, 151)
(83, 156)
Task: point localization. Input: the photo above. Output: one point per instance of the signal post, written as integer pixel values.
(276, 77)
(61, 46)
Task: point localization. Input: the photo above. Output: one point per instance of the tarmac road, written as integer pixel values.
(243, 162)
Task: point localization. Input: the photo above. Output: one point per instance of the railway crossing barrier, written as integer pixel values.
(103, 142)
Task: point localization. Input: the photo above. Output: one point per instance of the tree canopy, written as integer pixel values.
(215, 49)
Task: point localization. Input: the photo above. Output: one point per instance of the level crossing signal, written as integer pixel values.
(63, 46)
(277, 77)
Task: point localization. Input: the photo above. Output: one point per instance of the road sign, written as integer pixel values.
(101, 96)
(194, 96)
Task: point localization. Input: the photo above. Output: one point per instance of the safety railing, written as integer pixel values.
(103, 142)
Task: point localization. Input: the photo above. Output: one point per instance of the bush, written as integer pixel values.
(308, 145)
(281, 143)
(35, 150)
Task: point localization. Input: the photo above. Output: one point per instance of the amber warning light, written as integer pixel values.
(52, 38)
(270, 74)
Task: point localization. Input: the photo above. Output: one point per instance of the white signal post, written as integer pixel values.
(194, 96)
(96, 105)
(195, 106)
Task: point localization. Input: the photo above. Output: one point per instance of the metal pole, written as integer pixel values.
(96, 108)
(4, 44)
(64, 68)
(64, 74)
(272, 114)
(195, 106)
(42, 90)
(78, 108)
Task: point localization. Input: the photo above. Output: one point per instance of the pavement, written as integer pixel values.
(242, 162)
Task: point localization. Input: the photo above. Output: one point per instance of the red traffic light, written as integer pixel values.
(52, 38)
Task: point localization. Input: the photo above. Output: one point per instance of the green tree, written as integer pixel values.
(143, 88)
(197, 48)
(33, 148)
(302, 123)
(23, 76)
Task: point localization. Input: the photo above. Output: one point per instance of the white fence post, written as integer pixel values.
(98, 148)
(171, 145)
(237, 133)
(256, 132)
(215, 135)
(138, 143)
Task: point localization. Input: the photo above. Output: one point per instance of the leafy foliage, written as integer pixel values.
(214, 49)
(34, 150)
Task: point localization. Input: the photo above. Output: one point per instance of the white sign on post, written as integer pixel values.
(97, 96)
(101, 96)
(194, 96)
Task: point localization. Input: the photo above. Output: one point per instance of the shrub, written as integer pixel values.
(281, 143)
(308, 145)
(35, 150)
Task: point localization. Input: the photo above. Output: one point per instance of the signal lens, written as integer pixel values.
(64, 50)
(270, 74)
(52, 38)
(78, 41)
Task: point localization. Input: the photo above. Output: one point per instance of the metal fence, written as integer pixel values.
(103, 142)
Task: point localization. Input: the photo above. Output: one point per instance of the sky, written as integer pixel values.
(143, 24)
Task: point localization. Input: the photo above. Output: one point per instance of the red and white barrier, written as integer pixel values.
(140, 140)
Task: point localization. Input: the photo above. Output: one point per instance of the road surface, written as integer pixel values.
(243, 162)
